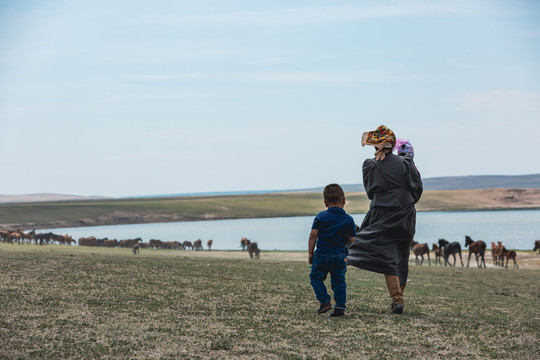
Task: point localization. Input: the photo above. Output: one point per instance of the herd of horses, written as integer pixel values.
(442, 250)
(137, 244)
(445, 249)
(21, 237)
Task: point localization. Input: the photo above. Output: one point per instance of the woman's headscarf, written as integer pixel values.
(404, 147)
(383, 138)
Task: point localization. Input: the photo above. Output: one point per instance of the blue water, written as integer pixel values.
(517, 229)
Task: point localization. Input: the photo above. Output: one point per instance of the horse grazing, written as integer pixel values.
(537, 246)
(136, 249)
(478, 248)
(244, 243)
(209, 244)
(452, 248)
(420, 250)
(110, 243)
(155, 243)
(31, 235)
(63, 239)
(439, 252)
(172, 245)
(253, 249)
(187, 245)
(87, 241)
(4, 235)
(197, 244)
(509, 254)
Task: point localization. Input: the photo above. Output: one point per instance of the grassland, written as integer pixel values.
(147, 210)
(75, 302)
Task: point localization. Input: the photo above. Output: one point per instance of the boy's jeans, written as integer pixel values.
(337, 267)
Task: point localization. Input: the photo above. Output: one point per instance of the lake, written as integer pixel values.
(517, 229)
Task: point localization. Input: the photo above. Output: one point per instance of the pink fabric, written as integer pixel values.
(404, 147)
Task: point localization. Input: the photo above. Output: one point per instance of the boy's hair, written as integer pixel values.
(333, 194)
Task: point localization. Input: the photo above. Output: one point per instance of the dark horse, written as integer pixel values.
(450, 249)
(253, 249)
(509, 254)
(476, 247)
(537, 246)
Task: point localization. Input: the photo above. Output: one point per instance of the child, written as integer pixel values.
(332, 231)
(404, 147)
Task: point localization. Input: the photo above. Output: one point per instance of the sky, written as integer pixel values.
(126, 98)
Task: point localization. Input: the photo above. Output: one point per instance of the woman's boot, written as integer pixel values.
(392, 282)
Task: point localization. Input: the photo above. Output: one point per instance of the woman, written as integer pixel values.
(393, 185)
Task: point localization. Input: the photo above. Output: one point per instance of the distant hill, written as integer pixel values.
(438, 183)
(483, 182)
(45, 197)
(464, 182)
(472, 182)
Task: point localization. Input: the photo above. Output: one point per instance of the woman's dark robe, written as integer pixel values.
(383, 243)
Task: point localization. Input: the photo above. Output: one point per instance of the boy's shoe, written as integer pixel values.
(337, 312)
(396, 309)
(325, 306)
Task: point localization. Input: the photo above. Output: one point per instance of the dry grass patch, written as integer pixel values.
(75, 303)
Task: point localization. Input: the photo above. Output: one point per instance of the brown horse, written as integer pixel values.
(155, 243)
(209, 244)
(439, 253)
(63, 239)
(500, 253)
(420, 250)
(16, 236)
(510, 254)
(197, 244)
(4, 234)
(87, 241)
(31, 235)
(478, 248)
(496, 253)
(253, 249)
(110, 243)
(537, 246)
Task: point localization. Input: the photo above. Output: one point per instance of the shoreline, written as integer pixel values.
(156, 219)
(90, 213)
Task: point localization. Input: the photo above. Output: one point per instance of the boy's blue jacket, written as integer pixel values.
(336, 228)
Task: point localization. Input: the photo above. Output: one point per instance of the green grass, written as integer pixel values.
(180, 208)
(71, 302)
